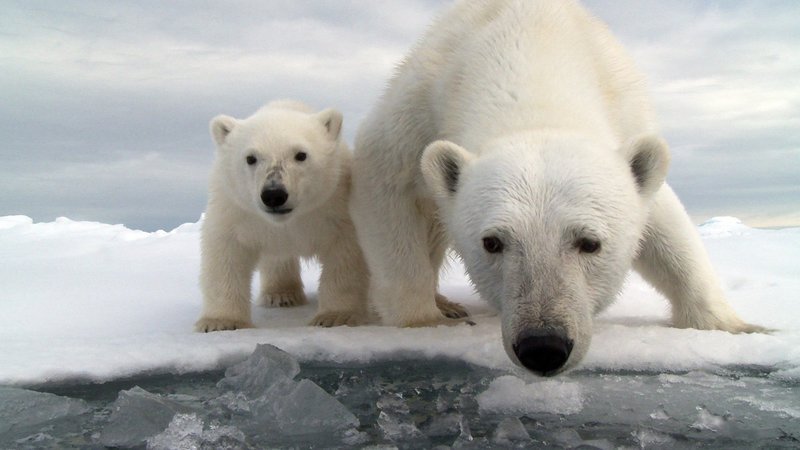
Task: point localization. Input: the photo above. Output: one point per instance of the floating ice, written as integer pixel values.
(706, 420)
(509, 431)
(394, 421)
(444, 425)
(187, 432)
(396, 428)
(465, 438)
(659, 414)
(648, 438)
(266, 366)
(511, 395)
(138, 415)
(21, 409)
(300, 408)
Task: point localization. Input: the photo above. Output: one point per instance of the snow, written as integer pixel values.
(92, 302)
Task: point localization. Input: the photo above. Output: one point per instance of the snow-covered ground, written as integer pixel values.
(90, 302)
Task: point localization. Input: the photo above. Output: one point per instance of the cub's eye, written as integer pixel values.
(251, 160)
(588, 246)
(300, 156)
(492, 244)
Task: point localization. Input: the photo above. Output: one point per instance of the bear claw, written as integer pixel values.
(335, 319)
(283, 299)
(451, 310)
(207, 325)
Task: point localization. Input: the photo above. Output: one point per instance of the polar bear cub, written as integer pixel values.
(279, 192)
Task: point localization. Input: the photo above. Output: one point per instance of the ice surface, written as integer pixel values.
(187, 432)
(141, 289)
(509, 394)
(266, 366)
(21, 409)
(138, 415)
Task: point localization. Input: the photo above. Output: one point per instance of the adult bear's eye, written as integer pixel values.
(300, 156)
(492, 244)
(588, 246)
(251, 160)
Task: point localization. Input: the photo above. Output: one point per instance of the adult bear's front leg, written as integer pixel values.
(393, 233)
(674, 261)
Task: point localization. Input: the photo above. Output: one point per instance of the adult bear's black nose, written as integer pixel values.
(543, 350)
(274, 197)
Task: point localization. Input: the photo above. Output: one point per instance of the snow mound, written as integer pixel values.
(724, 226)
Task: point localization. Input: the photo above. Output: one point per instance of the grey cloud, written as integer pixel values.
(106, 103)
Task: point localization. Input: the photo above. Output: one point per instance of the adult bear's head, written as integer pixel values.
(547, 225)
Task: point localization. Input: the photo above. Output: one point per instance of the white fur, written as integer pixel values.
(524, 120)
(240, 235)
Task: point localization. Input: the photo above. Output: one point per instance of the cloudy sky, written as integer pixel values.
(104, 105)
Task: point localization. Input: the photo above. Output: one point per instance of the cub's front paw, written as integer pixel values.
(207, 324)
(283, 299)
(337, 318)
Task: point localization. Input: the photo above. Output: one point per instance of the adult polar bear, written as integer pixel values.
(520, 132)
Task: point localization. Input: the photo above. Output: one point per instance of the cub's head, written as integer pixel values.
(547, 227)
(283, 161)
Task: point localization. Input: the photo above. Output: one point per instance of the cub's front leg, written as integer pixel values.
(226, 271)
(281, 285)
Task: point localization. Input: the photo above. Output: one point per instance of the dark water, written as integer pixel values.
(423, 403)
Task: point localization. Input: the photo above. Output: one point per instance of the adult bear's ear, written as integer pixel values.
(221, 126)
(442, 165)
(332, 120)
(648, 157)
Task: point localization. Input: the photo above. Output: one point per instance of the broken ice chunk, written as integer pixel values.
(510, 430)
(137, 415)
(511, 395)
(706, 420)
(266, 366)
(186, 431)
(21, 410)
(444, 425)
(298, 408)
(659, 414)
(648, 438)
(398, 428)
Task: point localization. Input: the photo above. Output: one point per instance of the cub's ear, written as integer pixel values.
(221, 126)
(442, 165)
(648, 156)
(332, 120)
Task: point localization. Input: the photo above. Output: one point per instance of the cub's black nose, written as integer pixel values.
(543, 350)
(274, 197)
